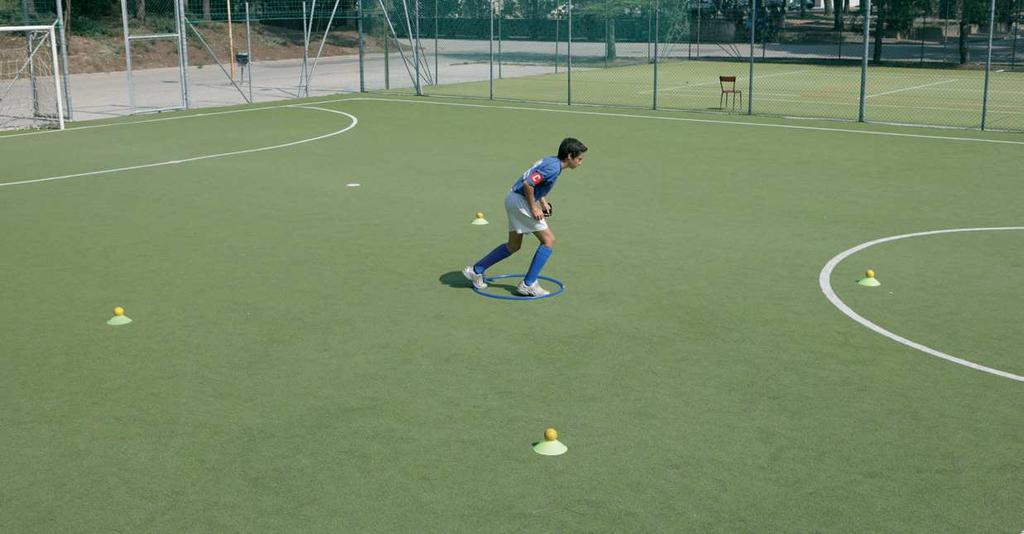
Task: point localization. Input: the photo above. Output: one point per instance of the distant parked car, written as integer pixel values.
(795, 4)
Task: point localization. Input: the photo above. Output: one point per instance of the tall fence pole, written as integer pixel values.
(490, 52)
(179, 26)
(750, 75)
(698, 27)
(437, 72)
(988, 61)
(362, 46)
(231, 44)
(558, 24)
(248, 50)
(66, 82)
(657, 22)
(864, 60)
(419, 84)
(499, 16)
(1016, 26)
(186, 87)
(128, 55)
(305, 51)
(568, 60)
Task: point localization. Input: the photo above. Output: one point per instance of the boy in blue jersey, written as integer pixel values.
(526, 205)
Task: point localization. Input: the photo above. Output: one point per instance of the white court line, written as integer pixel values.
(355, 121)
(758, 77)
(940, 82)
(824, 281)
(686, 119)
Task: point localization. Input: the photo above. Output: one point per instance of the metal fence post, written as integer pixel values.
(1016, 27)
(864, 59)
(558, 24)
(568, 60)
(657, 22)
(499, 40)
(66, 82)
(362, 47)
(988, 62)
(128, 56)
(437, 71)
(248, 51)
(750, 76)
(491, 50)
(416, 53)
(305, 52)
(186, 86)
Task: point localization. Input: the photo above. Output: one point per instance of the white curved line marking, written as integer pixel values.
(76, 128)
(355, 121)
(826, 287)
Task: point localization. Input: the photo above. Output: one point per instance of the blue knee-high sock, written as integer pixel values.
(539, 259)
(499, 253)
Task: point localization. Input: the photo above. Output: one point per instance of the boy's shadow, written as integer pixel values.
(455, 279)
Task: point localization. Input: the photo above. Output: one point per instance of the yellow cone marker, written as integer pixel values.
(119, 317)
(550, 446)
(479, 219)
(869, 279)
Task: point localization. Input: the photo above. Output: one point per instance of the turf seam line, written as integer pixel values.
(824, 282)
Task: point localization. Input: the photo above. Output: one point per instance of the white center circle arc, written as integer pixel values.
(824, 281)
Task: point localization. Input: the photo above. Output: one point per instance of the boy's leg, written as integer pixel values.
(547, 243)
(475, 273)
(499, 253)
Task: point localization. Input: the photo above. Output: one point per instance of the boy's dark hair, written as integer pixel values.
(570, 147)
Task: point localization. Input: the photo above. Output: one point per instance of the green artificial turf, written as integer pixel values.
(305, 356)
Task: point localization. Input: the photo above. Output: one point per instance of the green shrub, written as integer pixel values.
(89, 27)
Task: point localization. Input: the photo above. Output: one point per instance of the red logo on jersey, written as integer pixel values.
(536, 178)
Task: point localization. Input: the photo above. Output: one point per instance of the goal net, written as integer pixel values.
(29, 79)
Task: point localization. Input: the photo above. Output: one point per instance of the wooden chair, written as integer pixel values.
(730, 90)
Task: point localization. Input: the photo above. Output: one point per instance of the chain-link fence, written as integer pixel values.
(954, 63)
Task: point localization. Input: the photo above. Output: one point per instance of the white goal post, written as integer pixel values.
(30, 84)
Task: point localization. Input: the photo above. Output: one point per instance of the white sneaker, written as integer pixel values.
(477, 279)
(533, 290)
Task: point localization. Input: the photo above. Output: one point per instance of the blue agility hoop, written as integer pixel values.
(561, 287)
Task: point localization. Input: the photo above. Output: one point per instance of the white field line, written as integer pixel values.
(355, 121)
(872, 106)
(130, 123)
(824, 282)
(894, 91)
(757, 77)
(687, 119)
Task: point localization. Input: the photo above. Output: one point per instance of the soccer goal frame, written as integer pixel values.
(51, 34)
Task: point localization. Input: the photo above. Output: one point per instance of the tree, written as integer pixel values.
(971, 12)
(608, 11)
(895, 17)
(837, 21)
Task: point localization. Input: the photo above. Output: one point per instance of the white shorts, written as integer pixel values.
(520, 220)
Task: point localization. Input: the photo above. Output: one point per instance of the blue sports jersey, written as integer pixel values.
(542, 176)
